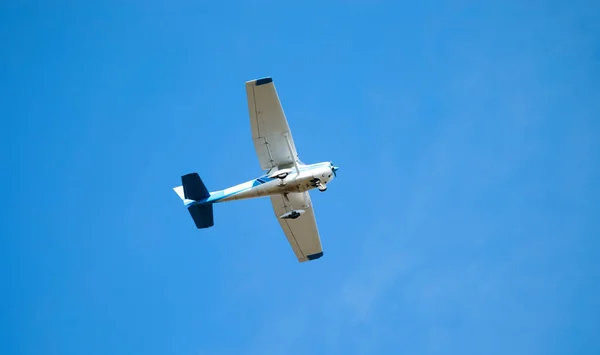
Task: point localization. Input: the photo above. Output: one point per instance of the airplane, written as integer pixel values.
(286, 180)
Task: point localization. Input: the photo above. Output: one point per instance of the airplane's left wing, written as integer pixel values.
(270, 130)
(302, 233)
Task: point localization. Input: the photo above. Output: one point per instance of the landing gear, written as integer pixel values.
(319, 185)
(281, 175)
(281, 182)
(281, 178)
(292, 213)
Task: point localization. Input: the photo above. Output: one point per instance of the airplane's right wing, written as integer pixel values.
(302, 233)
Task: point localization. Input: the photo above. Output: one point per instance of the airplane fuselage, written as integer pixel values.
(309, 177)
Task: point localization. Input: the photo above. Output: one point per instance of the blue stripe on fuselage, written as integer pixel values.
(216, 196)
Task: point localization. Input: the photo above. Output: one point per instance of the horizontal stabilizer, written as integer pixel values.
(202, 215)
(179, 191)
(193, 187)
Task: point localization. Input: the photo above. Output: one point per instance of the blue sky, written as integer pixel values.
(464, 219)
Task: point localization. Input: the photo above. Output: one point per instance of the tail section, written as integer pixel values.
(179, 191)
(193, 187)
(202, 215)
(192, 190)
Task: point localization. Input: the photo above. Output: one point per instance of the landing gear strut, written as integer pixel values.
(319, 185)
(281, 181)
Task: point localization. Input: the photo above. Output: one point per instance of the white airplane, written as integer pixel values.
(286, 181)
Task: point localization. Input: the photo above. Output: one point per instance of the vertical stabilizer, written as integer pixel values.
(191, 191)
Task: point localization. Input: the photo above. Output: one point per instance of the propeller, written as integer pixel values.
(334, 169)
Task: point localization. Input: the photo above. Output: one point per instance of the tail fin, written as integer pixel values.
(202, 215)
(193, 189)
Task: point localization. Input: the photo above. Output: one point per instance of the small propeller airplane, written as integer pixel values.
(286, 180)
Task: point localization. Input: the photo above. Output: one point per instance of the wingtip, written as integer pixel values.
(314, 256)
(263, 81)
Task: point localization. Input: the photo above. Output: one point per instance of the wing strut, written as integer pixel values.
(287, 140)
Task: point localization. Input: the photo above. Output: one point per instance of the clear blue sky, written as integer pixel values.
(464, 220)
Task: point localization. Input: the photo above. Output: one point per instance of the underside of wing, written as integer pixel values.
(270, 130)
(302, 232)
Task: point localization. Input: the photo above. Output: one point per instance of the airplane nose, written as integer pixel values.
(334, 169)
